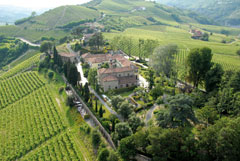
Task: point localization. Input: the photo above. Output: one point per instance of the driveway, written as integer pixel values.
(80, 70)
(150, 113)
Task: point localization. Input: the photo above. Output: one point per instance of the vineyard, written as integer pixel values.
(15, 88)
(228, 62)
(61, 148)
(19, 68)
(28, 123)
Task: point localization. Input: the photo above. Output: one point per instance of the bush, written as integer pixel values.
(103, 154)
(159, 100)
(50, 75)
(86, 117)
(96, 138)
(61, 89)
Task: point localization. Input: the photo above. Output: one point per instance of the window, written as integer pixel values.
(115, 87)
(126, 85)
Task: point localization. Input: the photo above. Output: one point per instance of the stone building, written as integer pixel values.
(121, 72)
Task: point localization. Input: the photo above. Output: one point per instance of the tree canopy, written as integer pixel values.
(162, 60)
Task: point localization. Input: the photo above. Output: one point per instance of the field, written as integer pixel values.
(35, 123)
(21, 67)
(224, 54)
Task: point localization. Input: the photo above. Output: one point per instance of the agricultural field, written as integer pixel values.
(228, 62)
(60, 147)
(17, 87)
(34, 121)
(21, 67)
(41, 121)
(224, 54)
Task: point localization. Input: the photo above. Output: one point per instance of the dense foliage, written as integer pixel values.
(10, 49)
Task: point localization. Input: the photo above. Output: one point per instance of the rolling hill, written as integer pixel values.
(114, 14)
(225, 12)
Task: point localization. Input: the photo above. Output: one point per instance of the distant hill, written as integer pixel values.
(9, 14)
(225, 12)
(61, 16)
(113, 14)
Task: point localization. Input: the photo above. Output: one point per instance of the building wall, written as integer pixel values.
(109, 85)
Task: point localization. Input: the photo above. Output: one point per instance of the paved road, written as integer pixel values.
(28, 42)
(80, 70)
(150, 113)
(105, 104)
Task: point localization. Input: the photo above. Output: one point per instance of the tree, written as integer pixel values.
(50, 75)
(96, 106)
(113, 156)
(103, 155)
(150, 78)
(225, 101)
(234, 82)
(96, 138)
(140, 46)
(86, 92)
(180, 110)
(163, 118)
(163, 61)
(33, 14)
(92, 77)
(207, 115)
(238, 52)
(134, 122)
(156, 92)
(73, 74)
(46, 47)
(199, 63)
(97, 40)
(116, 101)
(221, 140)
(125, 109)
(127, 148)
(122, 130)
(213, 78)
(101, 111)
(69, 101)
(149, 46)
(171, 144)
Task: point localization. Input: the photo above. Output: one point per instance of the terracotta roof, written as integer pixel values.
(110, 78)
(126, 80)
(67, 54)
(114, 70)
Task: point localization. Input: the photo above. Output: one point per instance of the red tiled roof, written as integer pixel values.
(109, 78)
(114, 70)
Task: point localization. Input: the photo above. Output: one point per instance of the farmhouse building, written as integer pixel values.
(196, 34)
(68, 57)
(121, 72)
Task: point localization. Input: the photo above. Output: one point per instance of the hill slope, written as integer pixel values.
(226, 12)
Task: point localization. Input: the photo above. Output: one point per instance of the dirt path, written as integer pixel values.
(59, 104)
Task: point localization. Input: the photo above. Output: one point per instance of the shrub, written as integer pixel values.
(86, 117)
(96, 138)
(61, 89)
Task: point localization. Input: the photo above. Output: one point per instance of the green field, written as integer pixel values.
(21, 67)
(224, 54)
(35, 123)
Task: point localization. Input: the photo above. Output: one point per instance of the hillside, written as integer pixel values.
(117, 15)
(225, 12)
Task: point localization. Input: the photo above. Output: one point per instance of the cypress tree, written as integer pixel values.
(101, 111)
(96, 106)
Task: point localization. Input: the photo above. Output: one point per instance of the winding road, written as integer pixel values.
(28, 42)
